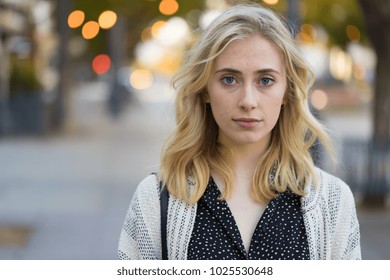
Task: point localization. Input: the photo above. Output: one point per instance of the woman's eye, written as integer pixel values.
(228, 80)
(266, 81)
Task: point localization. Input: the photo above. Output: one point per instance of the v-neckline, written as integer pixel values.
(221, 210)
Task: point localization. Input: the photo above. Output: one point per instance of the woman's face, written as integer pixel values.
(246, 90)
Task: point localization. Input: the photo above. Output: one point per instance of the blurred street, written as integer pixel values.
(72, 191)
(66, 196)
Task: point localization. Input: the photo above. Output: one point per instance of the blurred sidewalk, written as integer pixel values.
(69, 194)
(65, 197)
(375, 234)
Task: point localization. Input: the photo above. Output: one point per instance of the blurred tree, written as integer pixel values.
(377, 17)
(23, 77)
(119, 42)
(138, 14)
(334, 16)
(58, 112)
(21, 101)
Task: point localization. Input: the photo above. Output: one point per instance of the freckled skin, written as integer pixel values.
(248, 80)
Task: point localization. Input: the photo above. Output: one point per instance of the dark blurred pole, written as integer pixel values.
(61, 101)
(377, 19)
(293, 16)
(119, 94)
(4, 83)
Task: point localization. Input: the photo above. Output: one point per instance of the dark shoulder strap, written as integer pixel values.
(164, 197)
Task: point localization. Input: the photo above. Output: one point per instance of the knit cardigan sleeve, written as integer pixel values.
(345, 234)
(140, 236)
(330, 219)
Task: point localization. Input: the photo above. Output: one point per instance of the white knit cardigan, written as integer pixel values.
(328, 211)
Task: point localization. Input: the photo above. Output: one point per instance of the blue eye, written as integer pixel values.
(229, 80)
(266, 81)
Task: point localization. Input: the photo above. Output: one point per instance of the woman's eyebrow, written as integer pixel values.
(228, 70)
(267, 70)
(235, 71)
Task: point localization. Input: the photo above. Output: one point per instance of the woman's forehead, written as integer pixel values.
(254, 52)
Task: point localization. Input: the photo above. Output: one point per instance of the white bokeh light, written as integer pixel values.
(173, 32)
(149, 53)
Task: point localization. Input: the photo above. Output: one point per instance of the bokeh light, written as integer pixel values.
(149, 54)
(141, 79)
(271, 2)
(174, 32)
(340, 64)
(101, 64)
(353, 33)
(168, 7)
(319, 99)
(90, 30)
(156, 27)
(146, 34)
(107, 19)
(307, 34)
(338, 12)
(76, 19)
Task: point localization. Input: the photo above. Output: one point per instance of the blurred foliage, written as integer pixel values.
(137, 13)
(333, 15)
(23, 77)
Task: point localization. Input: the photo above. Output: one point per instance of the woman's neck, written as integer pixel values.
(245, 162)
(247, 157)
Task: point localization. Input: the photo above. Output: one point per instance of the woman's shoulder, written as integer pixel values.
(148, 189)
(327, 188)
(332, 185)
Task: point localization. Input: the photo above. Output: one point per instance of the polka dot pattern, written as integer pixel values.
(280, 234)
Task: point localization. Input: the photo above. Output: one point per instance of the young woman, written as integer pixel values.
(241, 180)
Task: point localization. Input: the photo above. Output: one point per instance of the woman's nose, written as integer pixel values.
(247, 100)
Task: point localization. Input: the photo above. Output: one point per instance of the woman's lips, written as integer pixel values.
(247, 122)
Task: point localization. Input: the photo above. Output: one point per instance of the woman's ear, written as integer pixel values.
(283, 102)
(285, 98)
(205, 96)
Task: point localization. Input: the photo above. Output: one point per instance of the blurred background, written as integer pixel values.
(86, 102)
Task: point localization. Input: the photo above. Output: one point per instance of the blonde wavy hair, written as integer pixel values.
(192, 150)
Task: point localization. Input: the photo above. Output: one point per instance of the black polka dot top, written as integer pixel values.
(279, 235)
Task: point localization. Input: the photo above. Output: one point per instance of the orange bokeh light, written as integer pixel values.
(308, 33)
(141, 79)
(271, 2)
(168, 7)
(76, 19)
(101, 64)
(146, 34)
(353, 33)
(319, 99)
(107, 19)
(90, 30)
(156, 27)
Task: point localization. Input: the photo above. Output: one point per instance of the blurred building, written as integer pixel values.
(28, 46)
